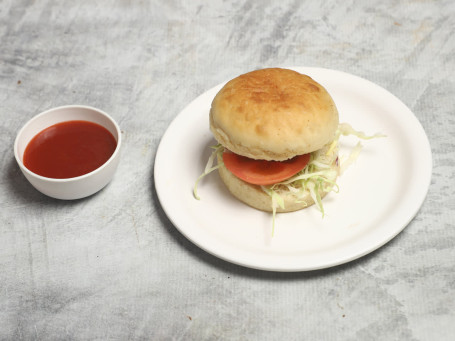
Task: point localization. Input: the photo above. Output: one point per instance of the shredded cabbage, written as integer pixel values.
(345, 129)
(209, 167)
(277, 200)
(317, 177)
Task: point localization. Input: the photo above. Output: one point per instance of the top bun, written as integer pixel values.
(273, 114)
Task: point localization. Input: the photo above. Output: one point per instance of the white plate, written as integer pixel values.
(378, 197)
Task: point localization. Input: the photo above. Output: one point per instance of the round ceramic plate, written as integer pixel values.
(378, 195)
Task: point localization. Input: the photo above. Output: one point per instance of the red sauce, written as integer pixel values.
(69, 149)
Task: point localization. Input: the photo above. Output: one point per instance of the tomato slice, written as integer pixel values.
(262, 172)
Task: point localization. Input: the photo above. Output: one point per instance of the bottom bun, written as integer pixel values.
(254, 196)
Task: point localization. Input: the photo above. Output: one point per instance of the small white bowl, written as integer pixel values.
(77, 187)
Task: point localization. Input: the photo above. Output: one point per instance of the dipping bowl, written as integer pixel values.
(80, 186)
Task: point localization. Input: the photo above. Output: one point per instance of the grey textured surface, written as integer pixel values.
(112, 266)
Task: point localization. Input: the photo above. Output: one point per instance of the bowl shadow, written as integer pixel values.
(21, 191)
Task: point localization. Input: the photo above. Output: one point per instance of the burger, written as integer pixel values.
(276, 130)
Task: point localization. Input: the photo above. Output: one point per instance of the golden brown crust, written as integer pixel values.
(254, 196)
(273, 114)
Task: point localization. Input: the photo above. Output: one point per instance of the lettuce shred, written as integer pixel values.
(209, 167)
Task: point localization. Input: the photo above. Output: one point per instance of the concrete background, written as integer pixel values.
(112, 266)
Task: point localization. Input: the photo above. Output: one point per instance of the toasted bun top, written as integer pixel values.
(273, 114)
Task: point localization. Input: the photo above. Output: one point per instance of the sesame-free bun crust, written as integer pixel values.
(254, 196)
(273, 114)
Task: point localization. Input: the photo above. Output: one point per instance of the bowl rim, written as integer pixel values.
(77, 178)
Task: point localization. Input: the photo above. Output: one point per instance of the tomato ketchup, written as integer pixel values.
(69, 149)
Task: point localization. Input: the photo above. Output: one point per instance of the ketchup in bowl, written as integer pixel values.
(69, 149)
